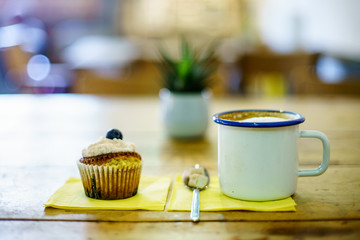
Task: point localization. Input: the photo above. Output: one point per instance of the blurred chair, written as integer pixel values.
(135, 78)
(110, 65)
(266, 73)
(345, 82)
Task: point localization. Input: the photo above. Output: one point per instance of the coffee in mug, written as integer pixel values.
(258, 153)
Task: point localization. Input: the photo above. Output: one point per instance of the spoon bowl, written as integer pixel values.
(196, 178)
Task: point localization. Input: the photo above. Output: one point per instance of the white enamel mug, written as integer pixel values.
(258, 161)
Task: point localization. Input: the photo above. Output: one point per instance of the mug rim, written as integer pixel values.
(299, 119)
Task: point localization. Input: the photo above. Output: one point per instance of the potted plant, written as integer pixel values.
(184, 98)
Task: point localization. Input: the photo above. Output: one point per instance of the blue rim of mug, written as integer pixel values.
(298, 118)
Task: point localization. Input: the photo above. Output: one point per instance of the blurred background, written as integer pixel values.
(267, 47)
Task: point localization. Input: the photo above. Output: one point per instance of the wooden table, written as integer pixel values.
(42, 136)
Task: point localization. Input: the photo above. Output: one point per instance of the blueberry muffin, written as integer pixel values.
(110, 168)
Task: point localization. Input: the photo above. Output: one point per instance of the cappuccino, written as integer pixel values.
(257, 116)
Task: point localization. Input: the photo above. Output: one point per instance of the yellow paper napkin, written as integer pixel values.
(152, 195)
(212, 199)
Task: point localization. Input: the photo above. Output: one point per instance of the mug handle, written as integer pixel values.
(326, 153)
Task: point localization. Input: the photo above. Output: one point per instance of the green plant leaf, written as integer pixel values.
(192, 72)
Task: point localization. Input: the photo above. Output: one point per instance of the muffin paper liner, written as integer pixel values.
(108, 182)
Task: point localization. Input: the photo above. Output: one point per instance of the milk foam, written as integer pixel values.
(263, 119)
(105, 145)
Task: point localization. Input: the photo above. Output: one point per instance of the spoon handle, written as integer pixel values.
(195, 206)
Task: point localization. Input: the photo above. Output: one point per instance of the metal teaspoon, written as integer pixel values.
(195, 205)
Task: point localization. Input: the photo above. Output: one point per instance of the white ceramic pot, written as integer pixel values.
(185, 115)
(258, 161)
